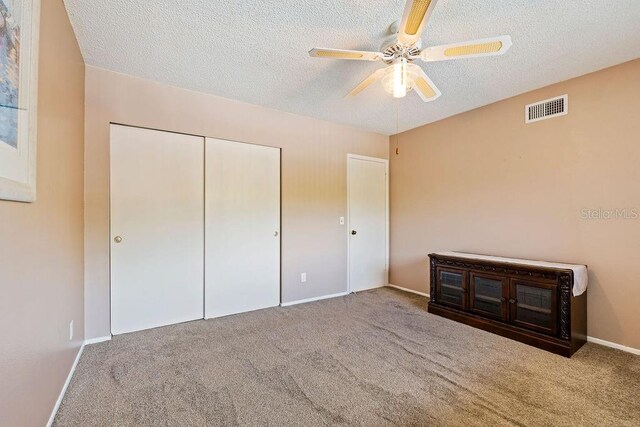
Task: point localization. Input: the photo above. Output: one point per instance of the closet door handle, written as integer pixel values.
(354, 232)
(117, 239)
(275, 234)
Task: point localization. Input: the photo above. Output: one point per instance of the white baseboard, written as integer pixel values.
(64, 387)
(614, 345)
(97, 340)
(408, 290)
(73, 369)
(302, 301)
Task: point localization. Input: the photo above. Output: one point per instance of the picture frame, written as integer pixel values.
(19, 48)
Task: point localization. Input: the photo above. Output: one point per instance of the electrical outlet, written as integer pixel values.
(70, 330)
(341, 220)
(303, 277)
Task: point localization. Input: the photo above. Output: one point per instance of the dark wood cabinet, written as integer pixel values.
(451, 287)
(489, 295)
(531, 304)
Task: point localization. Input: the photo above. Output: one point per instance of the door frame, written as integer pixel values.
(348, 222)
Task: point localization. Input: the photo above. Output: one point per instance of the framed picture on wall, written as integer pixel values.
(19, 28)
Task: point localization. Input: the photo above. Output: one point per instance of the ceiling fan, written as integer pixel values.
(405, 46)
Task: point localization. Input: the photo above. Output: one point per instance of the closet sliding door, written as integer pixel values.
(242, 227)
(157, 228)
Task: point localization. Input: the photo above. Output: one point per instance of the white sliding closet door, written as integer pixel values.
(242, 249)
(157, 228)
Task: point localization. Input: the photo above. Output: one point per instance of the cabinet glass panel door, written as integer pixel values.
(452, 287)
(488, 295)
(533, 305)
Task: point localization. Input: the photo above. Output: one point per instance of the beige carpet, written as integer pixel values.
(376, 358)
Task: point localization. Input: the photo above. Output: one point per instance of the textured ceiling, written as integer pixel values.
(256, 50)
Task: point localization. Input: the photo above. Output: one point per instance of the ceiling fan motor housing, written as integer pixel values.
(391, 48)
(395, 50)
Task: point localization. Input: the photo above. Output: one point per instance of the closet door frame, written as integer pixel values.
(111, 124)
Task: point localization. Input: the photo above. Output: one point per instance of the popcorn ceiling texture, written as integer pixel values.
(256, 51)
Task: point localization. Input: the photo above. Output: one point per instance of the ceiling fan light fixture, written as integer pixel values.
(404, 46)
(399, 78)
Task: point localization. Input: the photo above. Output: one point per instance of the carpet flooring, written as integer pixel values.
(375, 358)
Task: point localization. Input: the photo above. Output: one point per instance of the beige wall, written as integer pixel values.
(314, 188)
(41, 243)
(485, 182)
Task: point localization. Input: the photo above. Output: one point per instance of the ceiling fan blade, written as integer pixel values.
(472, 49)
(425, 87)
(377, 75)
(357, 55)
(415, 17)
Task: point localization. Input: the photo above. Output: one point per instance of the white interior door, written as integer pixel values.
(242, 248)
(368, 253)
(157, 228)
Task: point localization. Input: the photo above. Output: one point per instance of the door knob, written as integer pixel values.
(354, 232)
(117, 239)
(275, 234)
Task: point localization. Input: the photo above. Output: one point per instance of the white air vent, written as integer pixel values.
(546, 109)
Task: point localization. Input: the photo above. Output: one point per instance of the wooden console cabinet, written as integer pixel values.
(531, 304)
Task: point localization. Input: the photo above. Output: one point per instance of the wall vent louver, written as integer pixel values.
(547, 109)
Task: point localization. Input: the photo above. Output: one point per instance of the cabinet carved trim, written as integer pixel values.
(432, 288)
(494, 269)
(565, 298)
(547, 315)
